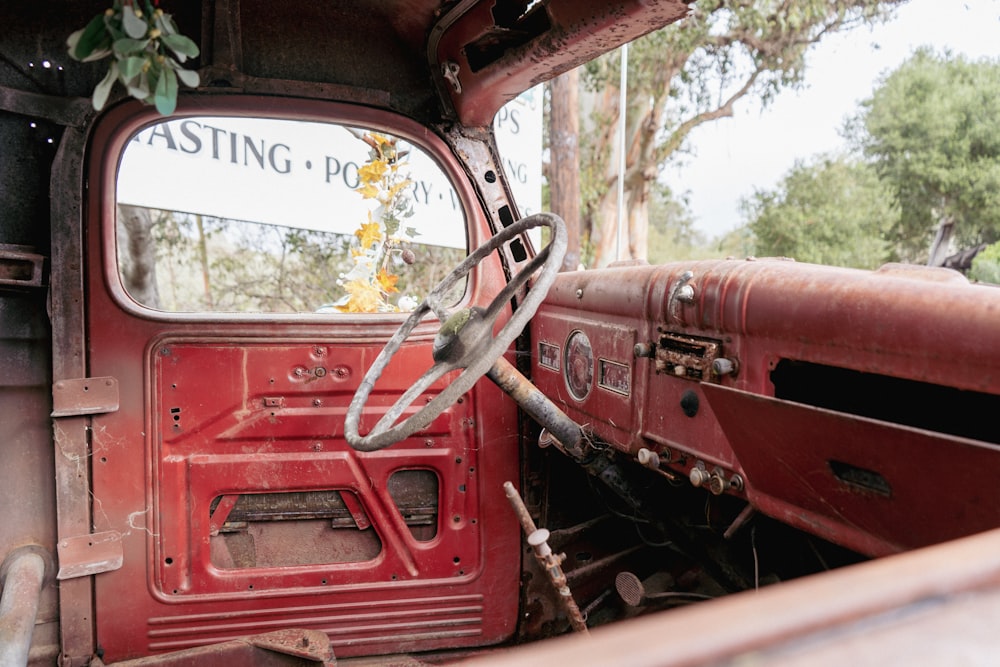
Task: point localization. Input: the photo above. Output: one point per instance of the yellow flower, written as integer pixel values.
(399, 187)
(387, 281)
(372, 171)
(364, 297)
(368, 191)
(369, 233)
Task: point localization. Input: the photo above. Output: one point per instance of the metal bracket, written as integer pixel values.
(85, 555)
(680, 292)
(20, 268)
(84, 396)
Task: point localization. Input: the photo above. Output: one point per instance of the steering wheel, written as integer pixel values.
(465, 339)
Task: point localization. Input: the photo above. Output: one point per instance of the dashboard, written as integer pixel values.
(819, 395)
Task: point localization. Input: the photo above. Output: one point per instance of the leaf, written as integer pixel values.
(92, 38)
(166, 92)
(170, 27)
(412, 232)
(134, 26)
(140, 90)
(183, 46)
(131, 67)
(369, 233)
(124, 46)
(102, 89)
(372, 171)
(368, 191)
(187, 77)
(73, 40)
(387, 281)
(364, 297)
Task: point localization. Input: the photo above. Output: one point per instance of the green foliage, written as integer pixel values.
(213, 264)
(672, 235)
(693, 72)
(833, 211)
(148, 51)
(986, 265)
(932, 130)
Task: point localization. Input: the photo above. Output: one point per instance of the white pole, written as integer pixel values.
(622, 97)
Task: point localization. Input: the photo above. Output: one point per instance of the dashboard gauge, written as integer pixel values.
(579, 365)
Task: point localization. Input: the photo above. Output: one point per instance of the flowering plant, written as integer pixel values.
(369, 284)
(148, 51)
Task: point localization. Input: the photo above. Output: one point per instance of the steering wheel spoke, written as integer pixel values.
(430, 376)
(434, 302)
(466, 339)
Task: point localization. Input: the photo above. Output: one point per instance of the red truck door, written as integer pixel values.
(224, 472)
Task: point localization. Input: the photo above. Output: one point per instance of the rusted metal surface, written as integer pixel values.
(84, 396)
(20, 267)
(219, 417)
(84, 555)
(857, 608)
(22, 576)
(550, 562)
(821, 471)
(491, 56)
(923, 336)
(194, 426)
(70, 434)
(536, 404)
(72, 111)
(291, 647)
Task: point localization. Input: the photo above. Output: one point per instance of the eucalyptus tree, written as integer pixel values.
(683, 76)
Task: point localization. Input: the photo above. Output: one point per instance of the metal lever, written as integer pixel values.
(550, 562)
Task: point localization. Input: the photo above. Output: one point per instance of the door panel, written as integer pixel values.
(242, 509)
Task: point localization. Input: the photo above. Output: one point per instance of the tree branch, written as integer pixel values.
(725, 110)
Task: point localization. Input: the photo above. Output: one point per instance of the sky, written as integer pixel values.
(733, 157)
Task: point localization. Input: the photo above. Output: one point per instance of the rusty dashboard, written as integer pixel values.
(834, 400)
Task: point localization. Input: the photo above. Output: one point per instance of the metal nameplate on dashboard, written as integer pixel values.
(548, 356)
(614, 376)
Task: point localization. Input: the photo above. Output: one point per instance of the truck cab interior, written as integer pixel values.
(292, 377)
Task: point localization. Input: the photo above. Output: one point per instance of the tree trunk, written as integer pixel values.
(564, 160)
(203, 260)
(137, 254)
(941, 245)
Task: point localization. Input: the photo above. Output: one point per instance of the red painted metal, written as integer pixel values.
(930, 606)
(574, 33)
(295, 648)
(212, 406)
(937, 487)
(921, 326)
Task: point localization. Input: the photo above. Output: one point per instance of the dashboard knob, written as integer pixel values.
(698, 476)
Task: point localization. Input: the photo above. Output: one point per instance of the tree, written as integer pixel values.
(683, 76)
(986, 265)
(137, 253)
(672, 234)
(563, 170)
(932, 130)
(833, 211)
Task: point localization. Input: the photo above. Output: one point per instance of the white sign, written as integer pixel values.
(304, 174)
(518, 128)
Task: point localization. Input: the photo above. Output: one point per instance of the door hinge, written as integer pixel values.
(84, 555)
(84, 396)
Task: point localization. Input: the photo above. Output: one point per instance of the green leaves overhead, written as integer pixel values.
(148, 51)
(831, 210)
(932, 131)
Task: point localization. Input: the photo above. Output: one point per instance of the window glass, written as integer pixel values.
(277, 216)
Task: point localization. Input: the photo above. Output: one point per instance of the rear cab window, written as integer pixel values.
(230, 214)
